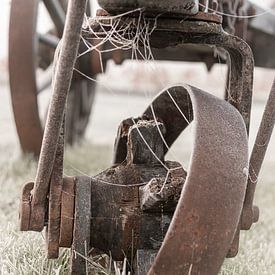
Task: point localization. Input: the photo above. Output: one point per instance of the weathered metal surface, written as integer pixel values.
(241, 76)
(231, 138)
(206, 17)
(167, 33)
(148, 133)
(79, 106)
(260, 35)
(25, 206)
(67, 212)
(250, 213)
(207, 215)
(153, 227)
(241, 58)
(240, 79)
(120, 147)
(161, 106)
(234, 249)
(151, 7)
(28, 50)
(162, 194)
(144, 260)
(61, 85)
(118, 223)
(54, 209)
(257, 32)
(22, 74)
(82, 226)
(130, 205)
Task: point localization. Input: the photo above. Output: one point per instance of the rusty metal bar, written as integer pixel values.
(63, 76)
(82, 226)
(257, 158)
(55, 194)
(152, 7)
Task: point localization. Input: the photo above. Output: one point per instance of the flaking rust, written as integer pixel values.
(175, 221)
(118, 218)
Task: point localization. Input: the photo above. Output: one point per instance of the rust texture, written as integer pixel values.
(67, 212)
(22, 74)
(118, 224)
(169, 33)
(54, 209)
(257, 32)
(37, 51)
(250, 213)
(152, 7)
(82, 226)
(62, 80)
(162, 194)
(143, 202)
(212, 194)
(57, 14)
(144, 260)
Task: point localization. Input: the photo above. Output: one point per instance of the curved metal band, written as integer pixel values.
(171, 33)
(209, 209)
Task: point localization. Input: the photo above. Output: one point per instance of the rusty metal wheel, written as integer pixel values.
(28, 51)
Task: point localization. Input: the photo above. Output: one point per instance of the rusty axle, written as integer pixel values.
(130, 206)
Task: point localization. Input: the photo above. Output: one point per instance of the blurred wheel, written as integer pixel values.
(29, 51)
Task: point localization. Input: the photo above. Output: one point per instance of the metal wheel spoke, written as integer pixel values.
(49, 40)
(45, 80)
(56, 13)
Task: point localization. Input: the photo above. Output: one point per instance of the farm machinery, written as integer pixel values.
(163, 219)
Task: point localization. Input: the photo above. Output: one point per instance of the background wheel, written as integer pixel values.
(29, 51)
